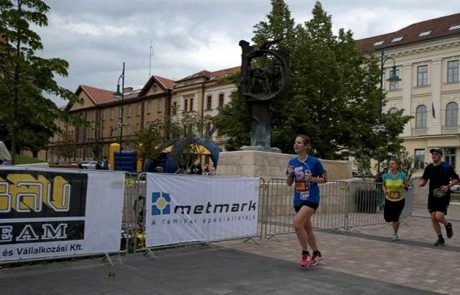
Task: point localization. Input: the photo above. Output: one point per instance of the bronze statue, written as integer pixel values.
(261, 86)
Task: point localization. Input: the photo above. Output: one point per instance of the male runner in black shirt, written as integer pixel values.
(441, 176)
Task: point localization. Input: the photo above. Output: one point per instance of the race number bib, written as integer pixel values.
(394, 195)
(301, 186)
(438, 193)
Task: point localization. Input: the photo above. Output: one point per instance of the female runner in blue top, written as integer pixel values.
(305, 171)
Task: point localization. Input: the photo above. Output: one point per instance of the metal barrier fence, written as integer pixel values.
(132, 235)
(345, 205)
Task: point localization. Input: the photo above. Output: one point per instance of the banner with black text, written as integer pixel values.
(191, 208)
(48, 213)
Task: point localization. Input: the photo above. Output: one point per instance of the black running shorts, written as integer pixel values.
(393, 210)
(308, 204)
(438, 204)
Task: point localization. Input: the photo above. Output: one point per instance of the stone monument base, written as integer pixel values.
(260, 149)
(269, 165)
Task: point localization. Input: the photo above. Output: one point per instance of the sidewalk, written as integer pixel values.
(368, 252)
(364, 261)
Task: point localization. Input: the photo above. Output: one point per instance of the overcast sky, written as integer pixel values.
(187, 36)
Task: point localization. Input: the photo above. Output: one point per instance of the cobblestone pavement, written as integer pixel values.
(369, 252)
(361, 261)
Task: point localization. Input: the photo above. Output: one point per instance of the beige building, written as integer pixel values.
(426, 56)
(102, 111)
(160, 99)
(202, 94)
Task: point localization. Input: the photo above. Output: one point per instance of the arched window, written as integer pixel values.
(420, 117)
(392, 110)
(451, 114)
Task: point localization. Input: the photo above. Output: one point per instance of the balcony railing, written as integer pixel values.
(419, 131)
(450, 130)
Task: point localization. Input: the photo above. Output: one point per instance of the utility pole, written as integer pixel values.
(150, 59)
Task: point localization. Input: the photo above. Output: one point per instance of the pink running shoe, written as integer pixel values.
(314, 260)
(316, 257)
(305, 261)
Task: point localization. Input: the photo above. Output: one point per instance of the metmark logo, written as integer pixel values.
(160, 203)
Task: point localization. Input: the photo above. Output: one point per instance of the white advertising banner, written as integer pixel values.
(190, 208)
(47, 213)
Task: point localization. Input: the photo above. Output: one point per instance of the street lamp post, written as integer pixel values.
(121, 94)
(392, 78)
(393, 75)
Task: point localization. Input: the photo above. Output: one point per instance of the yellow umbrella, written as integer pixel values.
(167, 149)
(196, 148)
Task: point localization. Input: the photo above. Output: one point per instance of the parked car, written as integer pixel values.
(455, 189)
(88, 164)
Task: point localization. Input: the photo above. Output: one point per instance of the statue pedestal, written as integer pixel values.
(260, 149)
(252, 163)
(268, 165)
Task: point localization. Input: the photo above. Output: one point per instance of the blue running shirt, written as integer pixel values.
(306, 191)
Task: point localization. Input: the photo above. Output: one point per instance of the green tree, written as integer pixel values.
(25, 78)
(97, 150)
(68, 149)
(393, 124)
(279, 26)
(149, 141)
(33, 137)
(182, 134)
(333, 96)
(406, 163)
(233, 119)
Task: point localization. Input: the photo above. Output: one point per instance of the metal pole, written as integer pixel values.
(150, 59)
(382, 61)
(392, 77)
(121, 114)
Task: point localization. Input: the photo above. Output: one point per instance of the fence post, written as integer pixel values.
(263, 192)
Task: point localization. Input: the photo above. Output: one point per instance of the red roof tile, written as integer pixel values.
(97, 95)
(439, 28)
(224, 73)
(165, 83)
(209, 76)
(202, 74)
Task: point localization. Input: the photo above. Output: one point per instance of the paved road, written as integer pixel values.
(193, 270)
(363, 261)
(368, 252)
